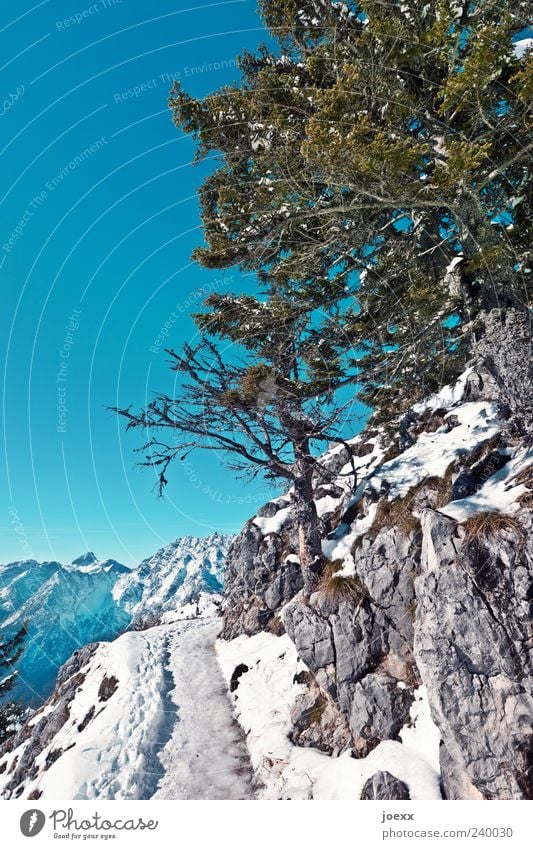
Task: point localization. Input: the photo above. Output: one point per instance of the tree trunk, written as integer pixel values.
(309, 539)
(503, 347)
(488, 289)
(430, 244)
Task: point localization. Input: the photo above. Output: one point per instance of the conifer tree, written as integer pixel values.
(10, 651)
(382, 153)
(375, 169)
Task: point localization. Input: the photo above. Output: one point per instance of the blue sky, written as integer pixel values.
(99, 219)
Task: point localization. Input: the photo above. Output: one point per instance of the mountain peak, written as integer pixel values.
(85, 559)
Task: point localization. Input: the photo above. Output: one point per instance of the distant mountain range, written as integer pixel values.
(67, 606)
(177, 581)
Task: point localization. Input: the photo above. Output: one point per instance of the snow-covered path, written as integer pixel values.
(151, 718)
(205, 756)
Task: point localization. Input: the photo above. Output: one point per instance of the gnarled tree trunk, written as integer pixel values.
(309, 537)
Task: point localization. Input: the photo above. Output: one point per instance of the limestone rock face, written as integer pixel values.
(258, 580)
(358, 657)
(471, 647)
(428, 584)
(504, 352)
(316, 721)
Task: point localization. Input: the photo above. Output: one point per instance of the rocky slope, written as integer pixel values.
(406, 675)
(425, 595)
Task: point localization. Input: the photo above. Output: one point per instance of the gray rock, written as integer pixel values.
(471, 646)
(474, 475)
(316, 721)
(505, 363)
(259, 578)
(385, 786)
(455, 782)
(360, 636)
(378, 712)
(388, 566)
(311, 633)
(434, 608)
(353, 651)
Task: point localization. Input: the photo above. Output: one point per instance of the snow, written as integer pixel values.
(263, 699)
(361, 465)
(433, 452)
(204, 606)
(499, 493)
(422, 735)
(430, 455)
(206, 755)
(273, 524)
(454, 263)
(521, 47)
(339, 549)
(447, 397)
(41, 713)
(327, 504)
(63, 608)
(68, 606)
(263, 702)
(85, 770)
(173, 577)
(167, 731)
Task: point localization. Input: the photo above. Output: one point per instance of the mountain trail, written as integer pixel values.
(205, 756)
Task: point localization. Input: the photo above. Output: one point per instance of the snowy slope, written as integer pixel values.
(465, 426)
(144, 716)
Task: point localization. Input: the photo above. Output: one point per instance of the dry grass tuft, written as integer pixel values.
(339, 587)
(317, 711)
(490, 525)
(399, 513)
(396, 514)
(357, 544)
(331, 567)
(276, 627)
(441, 486)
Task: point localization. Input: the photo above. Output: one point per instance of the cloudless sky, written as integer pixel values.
(99, 217)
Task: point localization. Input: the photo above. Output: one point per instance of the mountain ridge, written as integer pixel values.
(66, 606)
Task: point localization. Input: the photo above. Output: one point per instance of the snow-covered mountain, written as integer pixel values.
(180, 580)
(62, 608)
(65, 607)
